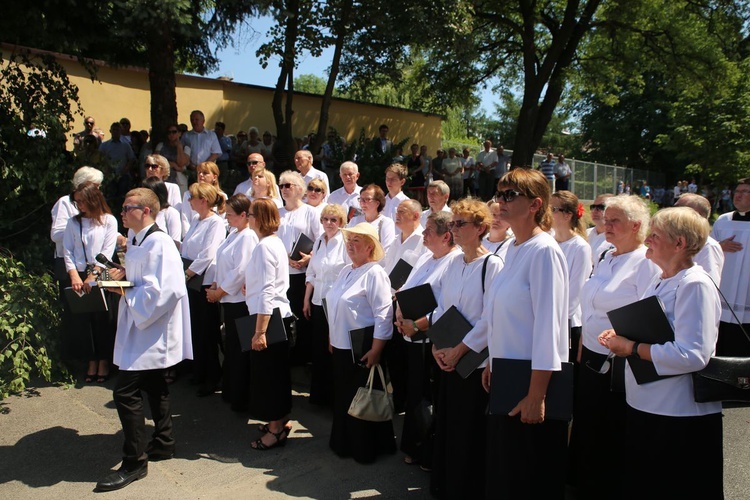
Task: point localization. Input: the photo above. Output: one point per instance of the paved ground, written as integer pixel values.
(56, 443)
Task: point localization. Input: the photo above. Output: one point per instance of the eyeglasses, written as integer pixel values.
(365, 200)
(252, 162)
(314, 189)
(90, 123)
(286, 185)
(459, 223)
(558, 209)
(152, 166)
(128, 208)
(605, 366)
(509, 195)
(331, 220)
(598, 206)
(172, 131)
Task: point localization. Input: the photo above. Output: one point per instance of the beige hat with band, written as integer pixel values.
(367, 229)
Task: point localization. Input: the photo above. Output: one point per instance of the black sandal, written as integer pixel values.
(281, 438)
(264, 427)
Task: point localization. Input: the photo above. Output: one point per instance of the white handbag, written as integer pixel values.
(373, 405)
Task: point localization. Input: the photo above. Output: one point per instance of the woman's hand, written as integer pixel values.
(305, 259)
(75, 283)
(531, 410)
(259, 342)
(306, 309)
(214, 294)
(439, 355)
(452, 355)
(117, 274)
(486, 375)
(621, 346)
(371, 358)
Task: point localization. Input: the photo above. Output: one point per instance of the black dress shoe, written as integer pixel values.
(122, 478)
(158, 453)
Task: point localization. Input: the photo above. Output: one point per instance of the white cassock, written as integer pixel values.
(153, 322)
(735, 275)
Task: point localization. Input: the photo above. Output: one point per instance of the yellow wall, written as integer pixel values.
(124, 92)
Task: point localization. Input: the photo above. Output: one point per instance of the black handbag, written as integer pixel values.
(724, 378)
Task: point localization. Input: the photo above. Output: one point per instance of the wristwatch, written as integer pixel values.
(634, 352)
(414, 325)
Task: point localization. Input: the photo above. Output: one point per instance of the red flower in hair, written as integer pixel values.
(579, 212)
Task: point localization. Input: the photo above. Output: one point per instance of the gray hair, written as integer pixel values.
(87, 174)
(293, 178)
(441, 185)
(349, 164)
(441, 220)
(634, 208)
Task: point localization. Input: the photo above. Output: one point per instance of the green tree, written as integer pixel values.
(311, 84)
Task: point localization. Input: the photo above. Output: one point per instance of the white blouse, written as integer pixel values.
(461, 286)
(578, 257)
(693, 307)
(526, 306)
(735, 275)
(391, 204)
(327, 260)
(303, 219)
(430, 270)
(617, 281)
(62, 211)
(169, 220)
(232, 259)
(200, 245)
(97, 238)
(359, 298)
(267, 278)
(409, 250)
(188, 214)
(386, 230)
(499, 248)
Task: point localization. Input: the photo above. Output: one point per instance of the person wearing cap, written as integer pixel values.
(359, 298)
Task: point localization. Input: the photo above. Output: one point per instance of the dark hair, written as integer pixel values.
(221, 125)
(378, 194)
(239, 203)
(94, 200)
(159, 188)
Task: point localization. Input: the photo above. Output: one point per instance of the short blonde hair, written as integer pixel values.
(634, 208)
(475, 210)
(318, 183)
(163, 163)
(273, 188)
(211, 194)
(683, 222)
(334, 210)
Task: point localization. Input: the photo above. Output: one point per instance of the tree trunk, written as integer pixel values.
(161, 77)
(283, 111)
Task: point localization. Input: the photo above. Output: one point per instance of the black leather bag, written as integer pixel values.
(723, 379)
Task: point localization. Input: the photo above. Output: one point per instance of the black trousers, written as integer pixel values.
(206, 337)
(129, 403)
(235, 384)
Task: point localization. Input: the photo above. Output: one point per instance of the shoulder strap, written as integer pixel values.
(484, 269)
(739, 323)
(153, 229)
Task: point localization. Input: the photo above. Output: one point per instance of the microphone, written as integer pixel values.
(102, 259)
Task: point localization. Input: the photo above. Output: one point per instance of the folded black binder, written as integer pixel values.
(643, 321)
(301, 244)
(196, 282)
(449, 331)
(416, 302)
(510, 384)
(91, 302)
(399, 274)
(275, 332)
(361, 339)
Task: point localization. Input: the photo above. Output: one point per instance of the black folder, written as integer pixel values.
(416, 302)
(91, 302)
(301, 244)
(510, 384)
(275, 332)
(643, 321)
(361, 339)
(196, 282)
(449, 331)
(399, 274)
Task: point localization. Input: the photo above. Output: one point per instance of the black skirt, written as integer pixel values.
(422, 371)
(321, 376)
(300, 354)
(235, 384)
(352, 437)
(271, 390)
(458, 467)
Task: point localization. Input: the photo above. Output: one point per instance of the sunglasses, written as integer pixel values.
(605, 366)
(459, 223)
(152, 166)
(89, 123)
(596, 207)
(252, 162)
(286, 185)
(128, 208)
(172, 131)
(314, 189)
(332, 220)
(509, 195)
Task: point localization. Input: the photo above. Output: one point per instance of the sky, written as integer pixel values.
(241, 64)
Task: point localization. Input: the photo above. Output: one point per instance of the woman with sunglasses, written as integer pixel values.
(198, 250)
(372, 201)
(459, 462)
(621, 277)
(208, 173)
(596, 235)
(264, 186)
(328, 258)
(91, 232)
(297, 218)
(422, 371)
(168, 219)
(525, 317)
(316, 194)
(570, 234)
(497, 239)
(178, 156)
(157, 167)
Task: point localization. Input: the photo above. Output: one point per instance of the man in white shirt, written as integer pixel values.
(395, 177)
(487, 161)
(408, 245)
(303, 159)
(254, 161)
(204, 146)
(711, 256)
(596, 235)
(348, 195)
(562, 174)
(153, 334)
(438, 194)
(118, 151)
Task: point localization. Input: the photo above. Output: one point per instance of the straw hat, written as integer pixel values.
(366, 229)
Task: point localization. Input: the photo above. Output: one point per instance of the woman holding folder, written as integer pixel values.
(621, 277)
(668, 437)
(421, 366)
(460, 443)
(359, 298)
(266, 286)
(525, 318)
